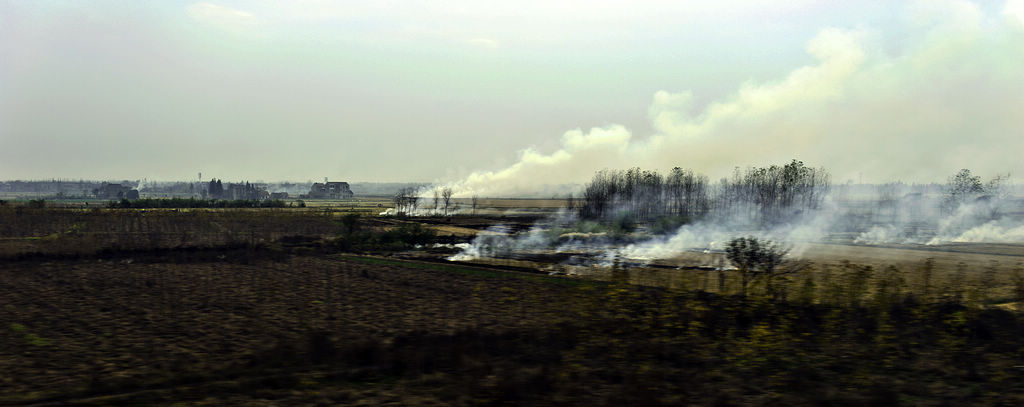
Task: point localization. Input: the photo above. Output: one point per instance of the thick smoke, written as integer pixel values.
(560, 234)
(976, 222)
(946, 95)
(779, 203)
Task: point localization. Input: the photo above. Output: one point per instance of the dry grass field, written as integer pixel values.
(340, 329)
(107, 329)
(283, 307)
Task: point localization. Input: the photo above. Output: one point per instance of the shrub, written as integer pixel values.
(350, 223)
(408, 234)
(754, 258)
(668, 224)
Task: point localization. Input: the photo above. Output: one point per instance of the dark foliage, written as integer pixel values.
(402, 236)
(755, 259)
(769, 194)
(195, 203)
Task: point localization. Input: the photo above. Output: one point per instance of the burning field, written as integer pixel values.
(709, 304)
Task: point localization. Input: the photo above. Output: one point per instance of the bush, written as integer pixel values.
(408, 234)
(400, 237)
(350, 223)
(755, 258)
(668, 224)
(622, 224)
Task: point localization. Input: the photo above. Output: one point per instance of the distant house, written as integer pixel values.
(330, 190)
(278, 195)
(245, 191)
(116, 191)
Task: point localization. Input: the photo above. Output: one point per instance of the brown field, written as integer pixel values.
(276, 307)
(328, 330)
(77, 330)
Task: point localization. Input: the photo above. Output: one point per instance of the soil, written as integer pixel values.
(75, 330)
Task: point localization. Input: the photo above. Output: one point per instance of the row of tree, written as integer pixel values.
(407, 200)
(198, 203)
(769, 194)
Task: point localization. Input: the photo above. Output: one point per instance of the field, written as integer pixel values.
(297, 307)
(116, 328)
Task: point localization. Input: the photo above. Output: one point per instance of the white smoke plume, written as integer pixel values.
(560, 233)
(897, 214)
(946, 95)
(919, 220)
(914, 219)
(992, 232)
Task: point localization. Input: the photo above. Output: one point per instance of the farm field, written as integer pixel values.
(334, 329)
(331, 203)
(988, 274)
(100, 329)
(311, 306)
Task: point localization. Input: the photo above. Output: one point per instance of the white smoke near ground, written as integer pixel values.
(992, 232)
(882, 234)
(919, 221)
(980, 222)
(911, 220)
(424, 211)
(500, 240)
(713, 235)
(945, 95)
(558, 234)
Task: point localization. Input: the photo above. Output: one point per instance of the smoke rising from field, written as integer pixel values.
(946, 95)
(982, 221)
(831, 223)
(922, 215)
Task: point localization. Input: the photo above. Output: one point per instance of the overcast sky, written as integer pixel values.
(510, 93)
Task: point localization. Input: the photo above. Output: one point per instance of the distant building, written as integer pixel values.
(115, 191)
(330, 190)
(278, 195)
(245, 191)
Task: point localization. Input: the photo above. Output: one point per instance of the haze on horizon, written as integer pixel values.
(495, 98)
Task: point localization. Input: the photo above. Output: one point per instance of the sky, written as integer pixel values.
(496, 98)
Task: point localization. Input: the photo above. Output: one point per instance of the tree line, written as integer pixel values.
(768, 194)
(407, 200)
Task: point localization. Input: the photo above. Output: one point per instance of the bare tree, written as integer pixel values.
(997, 192)
(570, 203)
(399, 201)
(446, 196)
(437, 199)
(475, 201)
(412, 199)
(772, 194)
(961, 188)
(405, 200)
